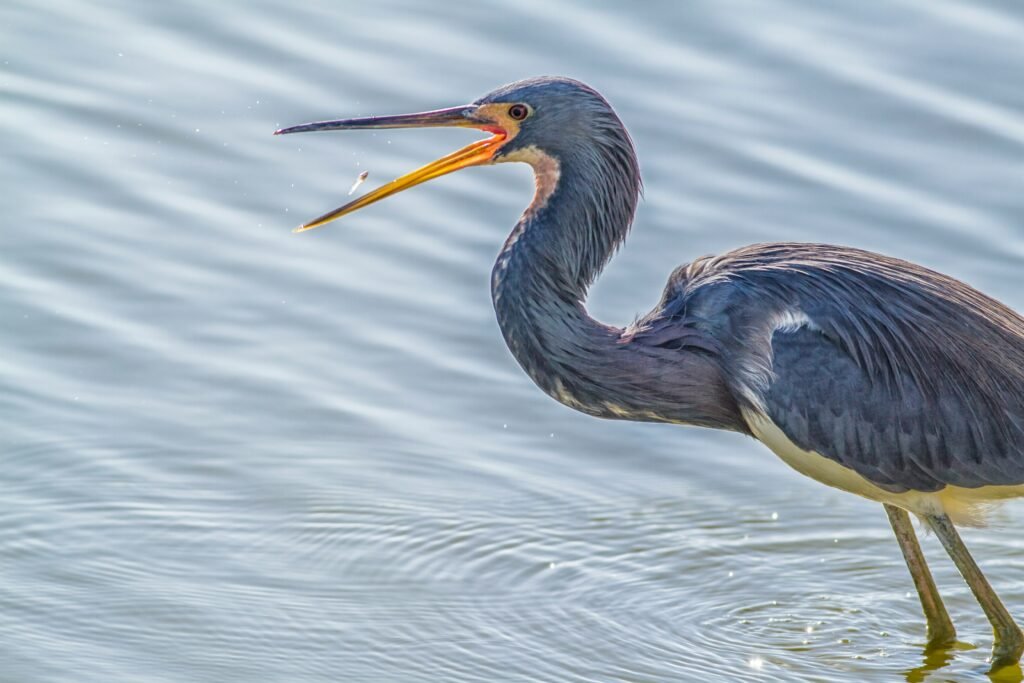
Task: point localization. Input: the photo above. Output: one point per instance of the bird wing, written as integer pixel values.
(910, 378)
(894, 437)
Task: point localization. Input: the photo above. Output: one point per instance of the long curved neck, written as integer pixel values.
(580, 215)
(539, 285)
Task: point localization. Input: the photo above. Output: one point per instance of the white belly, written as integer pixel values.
(963, 505)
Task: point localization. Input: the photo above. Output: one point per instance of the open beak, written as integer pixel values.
(480, 152)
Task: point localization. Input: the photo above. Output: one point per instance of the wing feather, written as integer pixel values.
(909, 377)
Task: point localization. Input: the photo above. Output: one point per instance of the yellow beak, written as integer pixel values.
(475, 154)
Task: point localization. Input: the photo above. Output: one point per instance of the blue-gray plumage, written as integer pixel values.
(910, 378)
(865, 372)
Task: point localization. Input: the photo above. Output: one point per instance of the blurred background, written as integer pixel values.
(230, 453)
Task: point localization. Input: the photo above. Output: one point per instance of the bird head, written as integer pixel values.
(530, 121)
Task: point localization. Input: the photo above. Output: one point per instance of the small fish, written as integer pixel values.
(359, 181)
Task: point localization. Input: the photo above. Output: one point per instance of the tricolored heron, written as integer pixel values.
(867, 373)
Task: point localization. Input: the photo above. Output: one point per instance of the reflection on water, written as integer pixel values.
(231, 453)
(937, 659)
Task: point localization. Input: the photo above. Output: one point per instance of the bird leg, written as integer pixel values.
(940, 627)
(1009, 641)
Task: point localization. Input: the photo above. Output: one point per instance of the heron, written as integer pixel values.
(867, 373)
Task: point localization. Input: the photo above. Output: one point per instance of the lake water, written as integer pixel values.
(231, 453)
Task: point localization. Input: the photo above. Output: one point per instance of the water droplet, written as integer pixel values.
(775, 515)
(755, 663)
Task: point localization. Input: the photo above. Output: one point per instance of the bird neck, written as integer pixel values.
(540, 280)
(539, 286)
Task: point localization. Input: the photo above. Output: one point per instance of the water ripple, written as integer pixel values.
(233, 454)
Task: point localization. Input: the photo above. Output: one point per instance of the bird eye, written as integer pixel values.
(518, 111)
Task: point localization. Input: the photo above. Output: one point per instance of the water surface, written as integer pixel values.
(230, 453)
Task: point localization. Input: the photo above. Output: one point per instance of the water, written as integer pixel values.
(231, 453)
